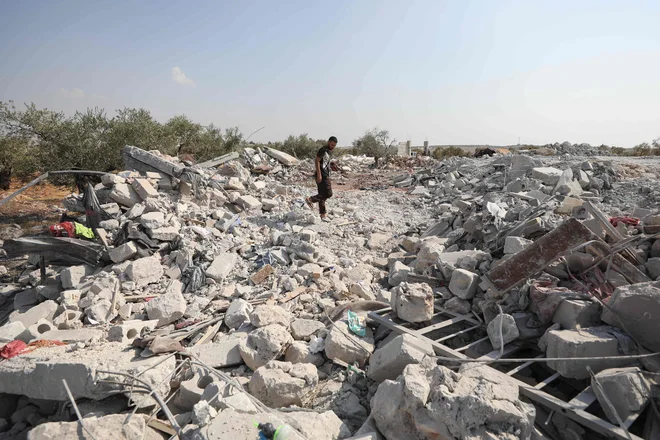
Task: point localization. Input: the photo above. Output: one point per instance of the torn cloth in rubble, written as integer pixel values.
(130, 231)
(194, 279)
(14, 348)
(630, 221)
(545, 296)
(72, 230)
(95, 214)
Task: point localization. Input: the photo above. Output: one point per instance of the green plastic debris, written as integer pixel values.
(357, 324)
(83, 231)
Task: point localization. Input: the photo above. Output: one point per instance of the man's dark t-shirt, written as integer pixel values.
(324, 156)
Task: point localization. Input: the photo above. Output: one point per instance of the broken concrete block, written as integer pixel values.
(413, 302)
(458, 305)
(72, 276)
(45, 310)
(344, 345)
(109, 180)
(653, 268)
(223, 263)
(144, 188)
(127, 331)
(109, 225)
(264, 315)
(282, 384)
(264, 345)
(165, 233)
(38, 374)
(168, 307)
(513, 245)
(11, 331)
(123, 194)
(548, 175)
(269, 204)
(389, 361)
(509, 330)
(625, 388)
(248, 203)
(413, 407)
(123, 252)
(409, 243)
(574, 313)
(68, 320)
(377, 240)
(567, 186)
(300, 353)
(589, 342)
(463, 283)
(153, 220)
(224, 351)
(190, 391)
(635, 308)
(303, 329)
(144, 271)
(238, 313)
(398, 273)
(113, 426)
(310, 269)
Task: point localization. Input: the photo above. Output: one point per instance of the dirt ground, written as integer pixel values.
(38, 205)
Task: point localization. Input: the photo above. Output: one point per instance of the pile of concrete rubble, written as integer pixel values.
(214, 299)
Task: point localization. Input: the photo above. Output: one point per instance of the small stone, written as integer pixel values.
(509, 330)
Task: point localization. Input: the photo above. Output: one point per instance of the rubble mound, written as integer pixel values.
(430, 401)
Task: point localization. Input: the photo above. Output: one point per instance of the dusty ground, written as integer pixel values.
(37, 206)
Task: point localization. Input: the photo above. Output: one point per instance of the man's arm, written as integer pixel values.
(317, 162)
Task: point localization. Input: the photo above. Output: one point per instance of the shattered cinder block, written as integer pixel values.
(344, 345)
(127, 331)
(238, 313)
(168, 307)
(221, 266)
(45, 310)
(413, 302)
(635, 309)
(464, 283)
(389, 361)
(144, 188)
(112, 426)
(574, 313)
(152, 220)
(509, 330)
(625, 388)
(123, 252)
(589, 342)
(265, 314)
(38, 374)
(548, 175)
(264, 345)
(125, 195)
(72, 276)
(282, 384)
(11, 331)
(248, 203)
(224, 351)
(144, 271)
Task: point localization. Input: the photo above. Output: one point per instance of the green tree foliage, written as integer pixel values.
(445, 152)
(35, 139)
(301, 146)
(376, 143)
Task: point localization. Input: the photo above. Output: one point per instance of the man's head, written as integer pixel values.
(332, 142)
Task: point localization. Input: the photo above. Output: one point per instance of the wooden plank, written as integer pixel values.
(538, 255)
(547, 381)
(294, 294)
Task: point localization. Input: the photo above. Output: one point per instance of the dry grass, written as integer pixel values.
(36, 206)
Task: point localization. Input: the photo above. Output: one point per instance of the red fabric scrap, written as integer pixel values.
(13, 348)
(631, 221)
(64, 229)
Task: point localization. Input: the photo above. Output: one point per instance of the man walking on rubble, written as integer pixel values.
(322, 175)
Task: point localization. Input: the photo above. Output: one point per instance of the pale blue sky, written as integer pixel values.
(448, 72)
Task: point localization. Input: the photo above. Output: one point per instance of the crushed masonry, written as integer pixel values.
(214, 298)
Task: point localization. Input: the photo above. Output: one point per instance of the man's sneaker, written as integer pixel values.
(324, 218)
